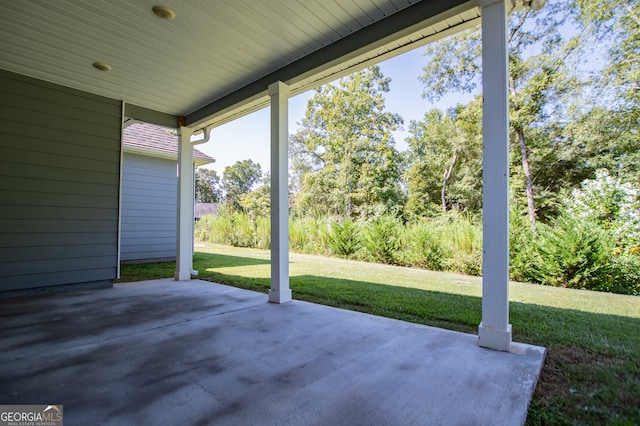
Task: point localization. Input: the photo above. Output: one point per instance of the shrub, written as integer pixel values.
(465, 263)
(298, 235)
(343, 238)
(424, 248)
(308, 235)
(574, 253)
(202, 228)
(623, 275)
(243, 234)
(214, 229)
(382, 239)
(263, 232)
(522, 249)
(462, 238)
(461, 233)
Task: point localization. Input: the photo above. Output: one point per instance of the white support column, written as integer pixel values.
(280, 291)
(184, 229)
(495, 331)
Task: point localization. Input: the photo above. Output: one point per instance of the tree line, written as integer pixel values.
(575, 161)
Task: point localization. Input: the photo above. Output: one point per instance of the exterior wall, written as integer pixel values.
(59, 178)
(148, 221)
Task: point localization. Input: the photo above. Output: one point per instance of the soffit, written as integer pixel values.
(210, 51)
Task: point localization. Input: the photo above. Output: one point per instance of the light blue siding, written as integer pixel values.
(148, 221)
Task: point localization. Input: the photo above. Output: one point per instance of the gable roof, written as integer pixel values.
(156, 141)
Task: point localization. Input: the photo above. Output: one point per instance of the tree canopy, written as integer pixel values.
(239, 179)
(343, 156)
(208, 186)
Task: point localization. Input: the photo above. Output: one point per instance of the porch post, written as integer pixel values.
(280, 291)
(495, 331)
(184, 228)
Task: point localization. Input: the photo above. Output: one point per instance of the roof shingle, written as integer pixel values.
(147, 137)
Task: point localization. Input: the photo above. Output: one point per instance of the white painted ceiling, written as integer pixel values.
(211, 49)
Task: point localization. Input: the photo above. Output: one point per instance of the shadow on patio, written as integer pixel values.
(201, 353)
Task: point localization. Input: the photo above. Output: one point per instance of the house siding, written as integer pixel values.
(149, 193)
(59, 178)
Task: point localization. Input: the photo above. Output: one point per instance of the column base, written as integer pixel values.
(280, 296)
(493, 338)
(182, 275)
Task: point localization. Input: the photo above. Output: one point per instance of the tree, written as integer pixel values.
(343, 157)
(535, 80)
(239, 179)
(258, 201)
(444, 160)
(617, 22)
(207, 186)
(605, 138)
(607, 134)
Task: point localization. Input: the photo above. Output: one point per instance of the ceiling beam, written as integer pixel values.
(150, 116)
(401, 23)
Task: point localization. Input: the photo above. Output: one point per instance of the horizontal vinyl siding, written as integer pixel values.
(59, 177)
(148, 222)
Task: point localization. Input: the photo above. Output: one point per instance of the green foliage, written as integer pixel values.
(522, 248)
(593, 244)
(207, 186)
(424, 246)
(444, 161)
(344, 238)
(262, 228)
(618, 23)
(624, 274)
(309, 235)
(344, 158)
(257, 203)
(239, 179)
(540, 75)
(463, 237)
(611, 204)
(215, 229)
(574, 253)
(234, 228)
(601, 138)
(463, 233)
(382, 240)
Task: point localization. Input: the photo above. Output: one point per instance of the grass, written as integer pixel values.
(592, 369)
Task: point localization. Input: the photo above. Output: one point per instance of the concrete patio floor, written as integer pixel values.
(197, 353)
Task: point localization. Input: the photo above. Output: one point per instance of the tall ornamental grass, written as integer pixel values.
(581, 248)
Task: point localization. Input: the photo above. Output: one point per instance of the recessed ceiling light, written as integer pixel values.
(102, 66)
(536, 4)
(164, 12)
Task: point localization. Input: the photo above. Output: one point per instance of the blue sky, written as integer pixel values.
(248, 137)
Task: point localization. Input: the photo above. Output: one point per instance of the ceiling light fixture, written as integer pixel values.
(536, 4)
(164, 12)
(101, 66)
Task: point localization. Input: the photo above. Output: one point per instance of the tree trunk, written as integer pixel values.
(525, 163)
(445, 179)
(528, 180)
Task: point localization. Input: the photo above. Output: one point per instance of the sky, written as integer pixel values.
(248, 137)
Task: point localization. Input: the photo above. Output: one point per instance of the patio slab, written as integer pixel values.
(162, 352)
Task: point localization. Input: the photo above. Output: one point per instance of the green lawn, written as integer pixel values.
(592, 370)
